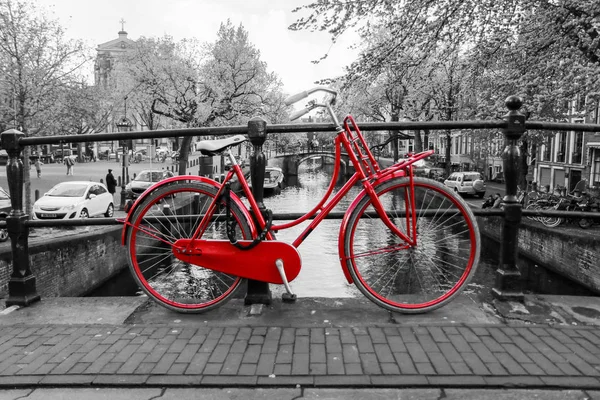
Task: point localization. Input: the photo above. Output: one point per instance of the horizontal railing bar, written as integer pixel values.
(291, 128)
(98, 137)
(38, 223)
(332, 215)
(562, 214)
(312, 127)
(400, 126)
(241, 129)
(561, 126)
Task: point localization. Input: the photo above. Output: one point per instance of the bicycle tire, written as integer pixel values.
(585, 223)
(176, 285)
(533, 206)
(418, 279)
(551, 222)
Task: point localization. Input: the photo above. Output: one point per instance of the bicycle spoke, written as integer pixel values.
(171, 213)
(413, 278)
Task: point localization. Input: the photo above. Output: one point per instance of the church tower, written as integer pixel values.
(107, 54)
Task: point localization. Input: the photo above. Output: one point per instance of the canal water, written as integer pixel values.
(321, 274)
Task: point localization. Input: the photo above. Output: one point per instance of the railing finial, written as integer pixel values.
(513, 103)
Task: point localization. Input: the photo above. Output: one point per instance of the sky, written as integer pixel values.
(287, 53)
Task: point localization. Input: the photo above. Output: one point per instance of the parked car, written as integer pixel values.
(75, 199)
(138, 156)
(32, 158)
(499, 177)
(466, 183)
(5, 206)
(144, 180)
(162, 152)
(59, 155)
(434, 173)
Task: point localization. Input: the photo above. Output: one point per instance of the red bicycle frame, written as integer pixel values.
(367, 172)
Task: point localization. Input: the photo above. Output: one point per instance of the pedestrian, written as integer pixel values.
(489, 202)
(497, 201)
(111, 182)
(69, 163)
(38, 167)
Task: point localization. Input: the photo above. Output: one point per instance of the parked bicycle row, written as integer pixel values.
(558, 200)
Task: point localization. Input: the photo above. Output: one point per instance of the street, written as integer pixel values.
(91, 171)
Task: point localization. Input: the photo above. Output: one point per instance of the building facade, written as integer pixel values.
(567, 157)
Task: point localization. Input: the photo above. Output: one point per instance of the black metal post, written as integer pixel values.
(258, 292)
(124, 172)
(21, 286)
(509, 286)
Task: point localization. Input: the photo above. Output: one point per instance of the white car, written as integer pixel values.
(466, 183)
(76, 199)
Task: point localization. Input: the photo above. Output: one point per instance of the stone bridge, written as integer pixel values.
(289, 163)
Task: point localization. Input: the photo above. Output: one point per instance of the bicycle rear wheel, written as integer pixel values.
(173, 212)
(412, 279)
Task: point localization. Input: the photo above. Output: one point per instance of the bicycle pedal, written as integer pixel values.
(289, 298)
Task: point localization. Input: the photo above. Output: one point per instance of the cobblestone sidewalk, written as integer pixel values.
(448, 355)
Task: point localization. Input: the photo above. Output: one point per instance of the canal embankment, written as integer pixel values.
(570, 252)
(69, 262)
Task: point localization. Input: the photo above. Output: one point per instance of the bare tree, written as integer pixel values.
(37, 63)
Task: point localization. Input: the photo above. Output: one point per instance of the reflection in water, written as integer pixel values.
(321, 274)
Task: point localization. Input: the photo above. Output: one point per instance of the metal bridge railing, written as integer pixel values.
(22, 287)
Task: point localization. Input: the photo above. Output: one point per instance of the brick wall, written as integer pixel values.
(572, 253)
(73, 263)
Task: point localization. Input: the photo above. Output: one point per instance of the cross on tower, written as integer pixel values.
(122, 21)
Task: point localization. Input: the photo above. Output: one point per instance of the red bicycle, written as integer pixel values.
(408, 243)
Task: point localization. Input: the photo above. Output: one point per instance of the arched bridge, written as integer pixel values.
(289, 163)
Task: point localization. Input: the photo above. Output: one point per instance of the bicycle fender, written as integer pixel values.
(344, 225)
(217, 185)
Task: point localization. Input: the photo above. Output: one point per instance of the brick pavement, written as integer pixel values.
(439, 355)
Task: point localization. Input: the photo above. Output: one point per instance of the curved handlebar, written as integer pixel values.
(299, 113)
(296, 97)
(302, 95)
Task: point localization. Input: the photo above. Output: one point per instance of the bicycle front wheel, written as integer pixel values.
(419, 278)
(173, 212)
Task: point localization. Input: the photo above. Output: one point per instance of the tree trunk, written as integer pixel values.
(522, 177)
(394, 136)
(448, 145)
(418, 143)
(184, 151)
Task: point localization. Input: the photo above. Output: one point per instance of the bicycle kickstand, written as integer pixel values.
(289, 296)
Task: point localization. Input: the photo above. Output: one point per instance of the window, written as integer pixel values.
(546, 155)
(596, 168)
(562, 147)
(96, 189)
(580, 102)
(565, 107)
(577, 148)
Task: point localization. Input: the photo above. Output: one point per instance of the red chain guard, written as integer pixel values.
(257, 263)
